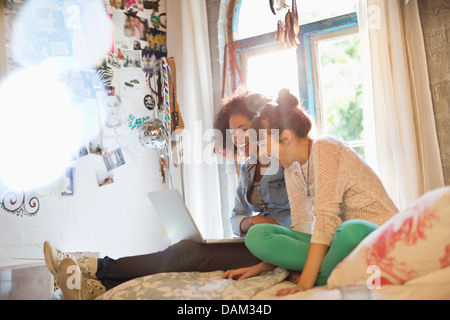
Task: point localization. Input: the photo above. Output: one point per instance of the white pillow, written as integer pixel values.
(413, 243)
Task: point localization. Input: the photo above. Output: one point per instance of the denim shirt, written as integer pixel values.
(272, 192)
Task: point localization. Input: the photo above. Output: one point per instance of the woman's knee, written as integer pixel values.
(187, 247)
(185, 244)
(352, 232)
(257, 235)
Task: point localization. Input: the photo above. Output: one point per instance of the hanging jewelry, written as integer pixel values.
(288, 21)
(287, 30)
(308, 193)
(276, 6)
(280, 33)
(292, 26)
(295, 21)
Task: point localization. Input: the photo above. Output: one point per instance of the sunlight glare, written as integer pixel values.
(270, 72)
(39, 128)
(42, 121)
(77, 33)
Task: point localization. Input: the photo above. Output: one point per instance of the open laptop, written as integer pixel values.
(177, 219)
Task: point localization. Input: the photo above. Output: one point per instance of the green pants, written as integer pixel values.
(288, 248)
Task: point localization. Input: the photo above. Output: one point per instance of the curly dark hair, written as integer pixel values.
(243, 102)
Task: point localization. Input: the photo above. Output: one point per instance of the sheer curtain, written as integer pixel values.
(396, 86)
(188, 43)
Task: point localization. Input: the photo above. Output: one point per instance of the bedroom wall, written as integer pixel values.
(115, 219)
(436, 31)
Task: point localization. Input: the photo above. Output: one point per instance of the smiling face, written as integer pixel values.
(272, 144)
(239, 127)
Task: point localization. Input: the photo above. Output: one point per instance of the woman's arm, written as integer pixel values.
(309, 274)
(248, 222)
(241, 209)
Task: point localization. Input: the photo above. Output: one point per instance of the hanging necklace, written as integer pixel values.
(308, 193)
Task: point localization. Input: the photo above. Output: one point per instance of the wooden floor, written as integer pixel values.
(25, 280)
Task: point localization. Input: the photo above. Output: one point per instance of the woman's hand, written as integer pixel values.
(309, 274)
(290, 290)
(262, 220)
(248, 272)
(248, 222)
(241, 274)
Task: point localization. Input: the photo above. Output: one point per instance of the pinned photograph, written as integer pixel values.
(69, 183)
(132, 59)
(150, 62)
(152, 5)
(117, 4)
(96, 147)
(104, 178)
(114, 159)
(157, 41)
(83, 151)
(135, 27)
(135, 5)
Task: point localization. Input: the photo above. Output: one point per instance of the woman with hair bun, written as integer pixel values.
(336, 199)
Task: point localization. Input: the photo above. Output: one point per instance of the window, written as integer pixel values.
(280, 66)
(337, 88)
(324, 70)
(264, 21)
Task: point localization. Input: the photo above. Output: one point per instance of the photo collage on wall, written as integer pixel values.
(115, 95)
(131, 72)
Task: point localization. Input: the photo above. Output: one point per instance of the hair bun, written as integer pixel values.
(283, 93)
(286, 99)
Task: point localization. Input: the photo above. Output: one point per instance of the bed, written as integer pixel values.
(408, 257)
(209, 286)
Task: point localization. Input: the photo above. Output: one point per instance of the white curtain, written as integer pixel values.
(188, 43)
(396, 86)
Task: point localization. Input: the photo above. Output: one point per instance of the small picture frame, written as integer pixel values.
(114, 159)
(70, 183)
(104, 178)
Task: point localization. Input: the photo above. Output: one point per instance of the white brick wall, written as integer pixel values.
(114, 220)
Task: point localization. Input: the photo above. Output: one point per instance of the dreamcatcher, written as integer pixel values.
(287, 28)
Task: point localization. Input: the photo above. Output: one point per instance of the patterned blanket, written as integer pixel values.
(193, 286)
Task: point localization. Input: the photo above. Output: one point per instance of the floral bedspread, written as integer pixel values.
(193, 285)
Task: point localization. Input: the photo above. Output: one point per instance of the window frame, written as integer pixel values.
(313, 76)
(305, 51)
